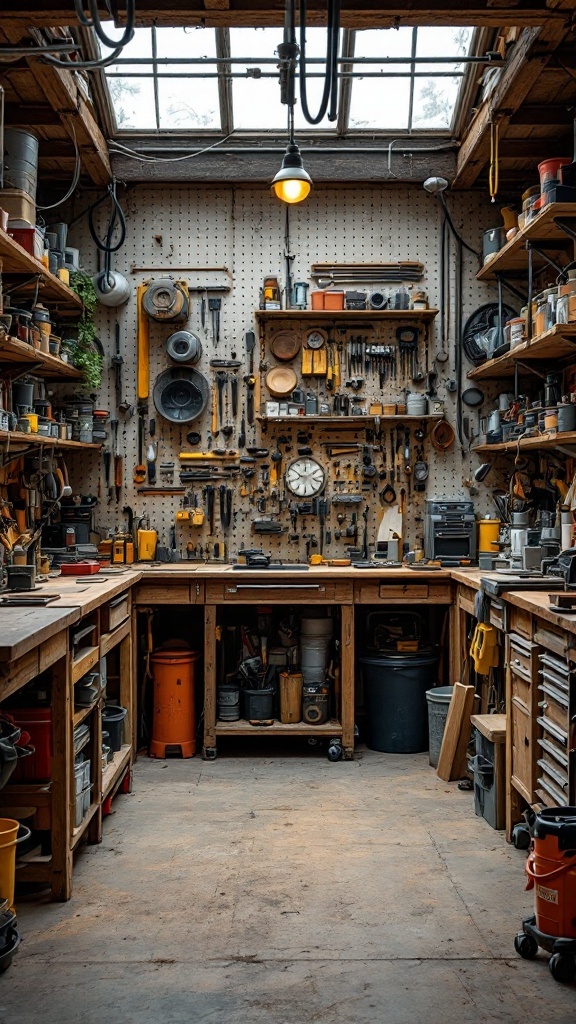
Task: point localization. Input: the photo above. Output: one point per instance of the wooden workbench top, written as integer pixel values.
(22, 629)
(213, 571)
(537, 602)
(89, 592)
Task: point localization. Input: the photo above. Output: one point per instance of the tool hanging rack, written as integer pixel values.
(369, 273)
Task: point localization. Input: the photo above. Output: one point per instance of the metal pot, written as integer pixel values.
(112, 288)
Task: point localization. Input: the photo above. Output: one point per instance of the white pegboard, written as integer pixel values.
(177, 228)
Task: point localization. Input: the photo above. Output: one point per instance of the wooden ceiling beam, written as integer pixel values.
(535, 149)
(67, 98)
(360, 14)
(529, 57)
(34, 115)
(549, 115)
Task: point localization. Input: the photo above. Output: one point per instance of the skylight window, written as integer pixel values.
(179, 80)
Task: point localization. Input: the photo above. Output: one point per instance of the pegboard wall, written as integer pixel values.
(193, 234)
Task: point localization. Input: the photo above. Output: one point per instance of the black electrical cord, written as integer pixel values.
(82, 65)
(330, 90)
(93, 21)
(116, 218)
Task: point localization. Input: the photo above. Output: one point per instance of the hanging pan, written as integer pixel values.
(184, 347)
(181, 394)
(285, 346)
(480, 334)
(166, 300)
(473, 397)
(281, 381)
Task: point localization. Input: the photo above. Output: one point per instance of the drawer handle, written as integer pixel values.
(542, 704)
(118, 600)
(274, 586)
(517, 661)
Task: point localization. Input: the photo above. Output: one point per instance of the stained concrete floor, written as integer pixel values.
(286, 890)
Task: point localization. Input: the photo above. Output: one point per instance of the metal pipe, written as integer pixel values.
(35, 51)
(266, 74)
(120, 150)
(312, 60)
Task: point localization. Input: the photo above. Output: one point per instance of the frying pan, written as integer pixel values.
(473, 397)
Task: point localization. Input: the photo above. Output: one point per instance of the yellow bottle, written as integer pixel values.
(147, 541)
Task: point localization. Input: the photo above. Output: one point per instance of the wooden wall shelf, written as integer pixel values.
(19, 262)
(19, 440)
(543, 442)
(15, 353)
(343, 315)
(513, 257)
(557, 343)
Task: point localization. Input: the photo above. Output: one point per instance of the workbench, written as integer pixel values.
(109, 607)
(41, 639)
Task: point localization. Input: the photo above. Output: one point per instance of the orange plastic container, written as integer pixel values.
(317, 299)
(174, 707)
(551, 870)
(333, 300)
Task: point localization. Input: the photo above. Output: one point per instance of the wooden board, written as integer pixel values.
(493, 727)
(22, 629)
(456, 734)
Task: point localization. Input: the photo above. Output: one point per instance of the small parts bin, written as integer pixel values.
(489, 768)
(83, 789)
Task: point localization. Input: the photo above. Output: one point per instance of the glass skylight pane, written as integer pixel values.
(133, 102)
(445, 41)
(379, 103)
(256, 102)
(186, 42)
(434, 102)
(188, 104)
(378, 42)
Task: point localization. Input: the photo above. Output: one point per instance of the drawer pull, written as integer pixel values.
(274, 586)
(542, 704)
(117, 600)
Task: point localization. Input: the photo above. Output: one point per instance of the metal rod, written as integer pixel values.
(266, 74)
(530, 287)
(257, 61)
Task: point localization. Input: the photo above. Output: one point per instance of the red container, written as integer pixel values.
(548, 169)
(30, 240)
(551, 870)
(38, 723)
(87, 568)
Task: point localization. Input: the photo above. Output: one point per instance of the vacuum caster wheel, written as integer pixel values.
(521, 836)
(562, 967)
(312, 741)
(525, 945)
(334, 752)
(209, 753)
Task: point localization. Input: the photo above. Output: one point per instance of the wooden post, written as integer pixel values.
(209, 678)
(347, 668)
(62, 787)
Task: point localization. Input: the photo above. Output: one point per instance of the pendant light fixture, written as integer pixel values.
(292, 184)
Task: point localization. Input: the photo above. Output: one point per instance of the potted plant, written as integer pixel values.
(86, 352)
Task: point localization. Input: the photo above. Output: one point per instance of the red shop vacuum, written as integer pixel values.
(551, 870)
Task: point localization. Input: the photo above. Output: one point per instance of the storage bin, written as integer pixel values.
(489, 775)
(82, 805)
(113, 721)
(37, 722)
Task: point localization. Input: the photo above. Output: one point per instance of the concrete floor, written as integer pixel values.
(286, 890)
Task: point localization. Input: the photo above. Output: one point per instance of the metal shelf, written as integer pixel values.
(348, 421)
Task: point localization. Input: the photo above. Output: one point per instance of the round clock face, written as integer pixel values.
(315, 339)
(305, 477)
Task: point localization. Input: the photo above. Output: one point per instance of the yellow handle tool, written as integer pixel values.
(142, 347)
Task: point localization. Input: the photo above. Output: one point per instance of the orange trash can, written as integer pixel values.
(174, 710)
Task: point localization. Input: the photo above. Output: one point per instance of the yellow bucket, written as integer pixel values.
(8, 837)
(488, 531)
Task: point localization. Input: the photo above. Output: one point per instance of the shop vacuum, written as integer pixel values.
(551, 871)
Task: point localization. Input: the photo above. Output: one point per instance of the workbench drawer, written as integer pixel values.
(521, 656)
(116, 612)
(170, 593)
(497, 614)
(521, 622)
(277, 592)
(523, 754)
(466, 598)
(554, 705)
(521, 689)
(380, 592)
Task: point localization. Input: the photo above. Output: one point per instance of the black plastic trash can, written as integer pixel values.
(395, 699)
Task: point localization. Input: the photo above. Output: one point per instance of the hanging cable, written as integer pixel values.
(80, 65)
(132, 154)
(116, 218)
(75, 177)
(330, 91)
(93, 21)
(494, 169)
